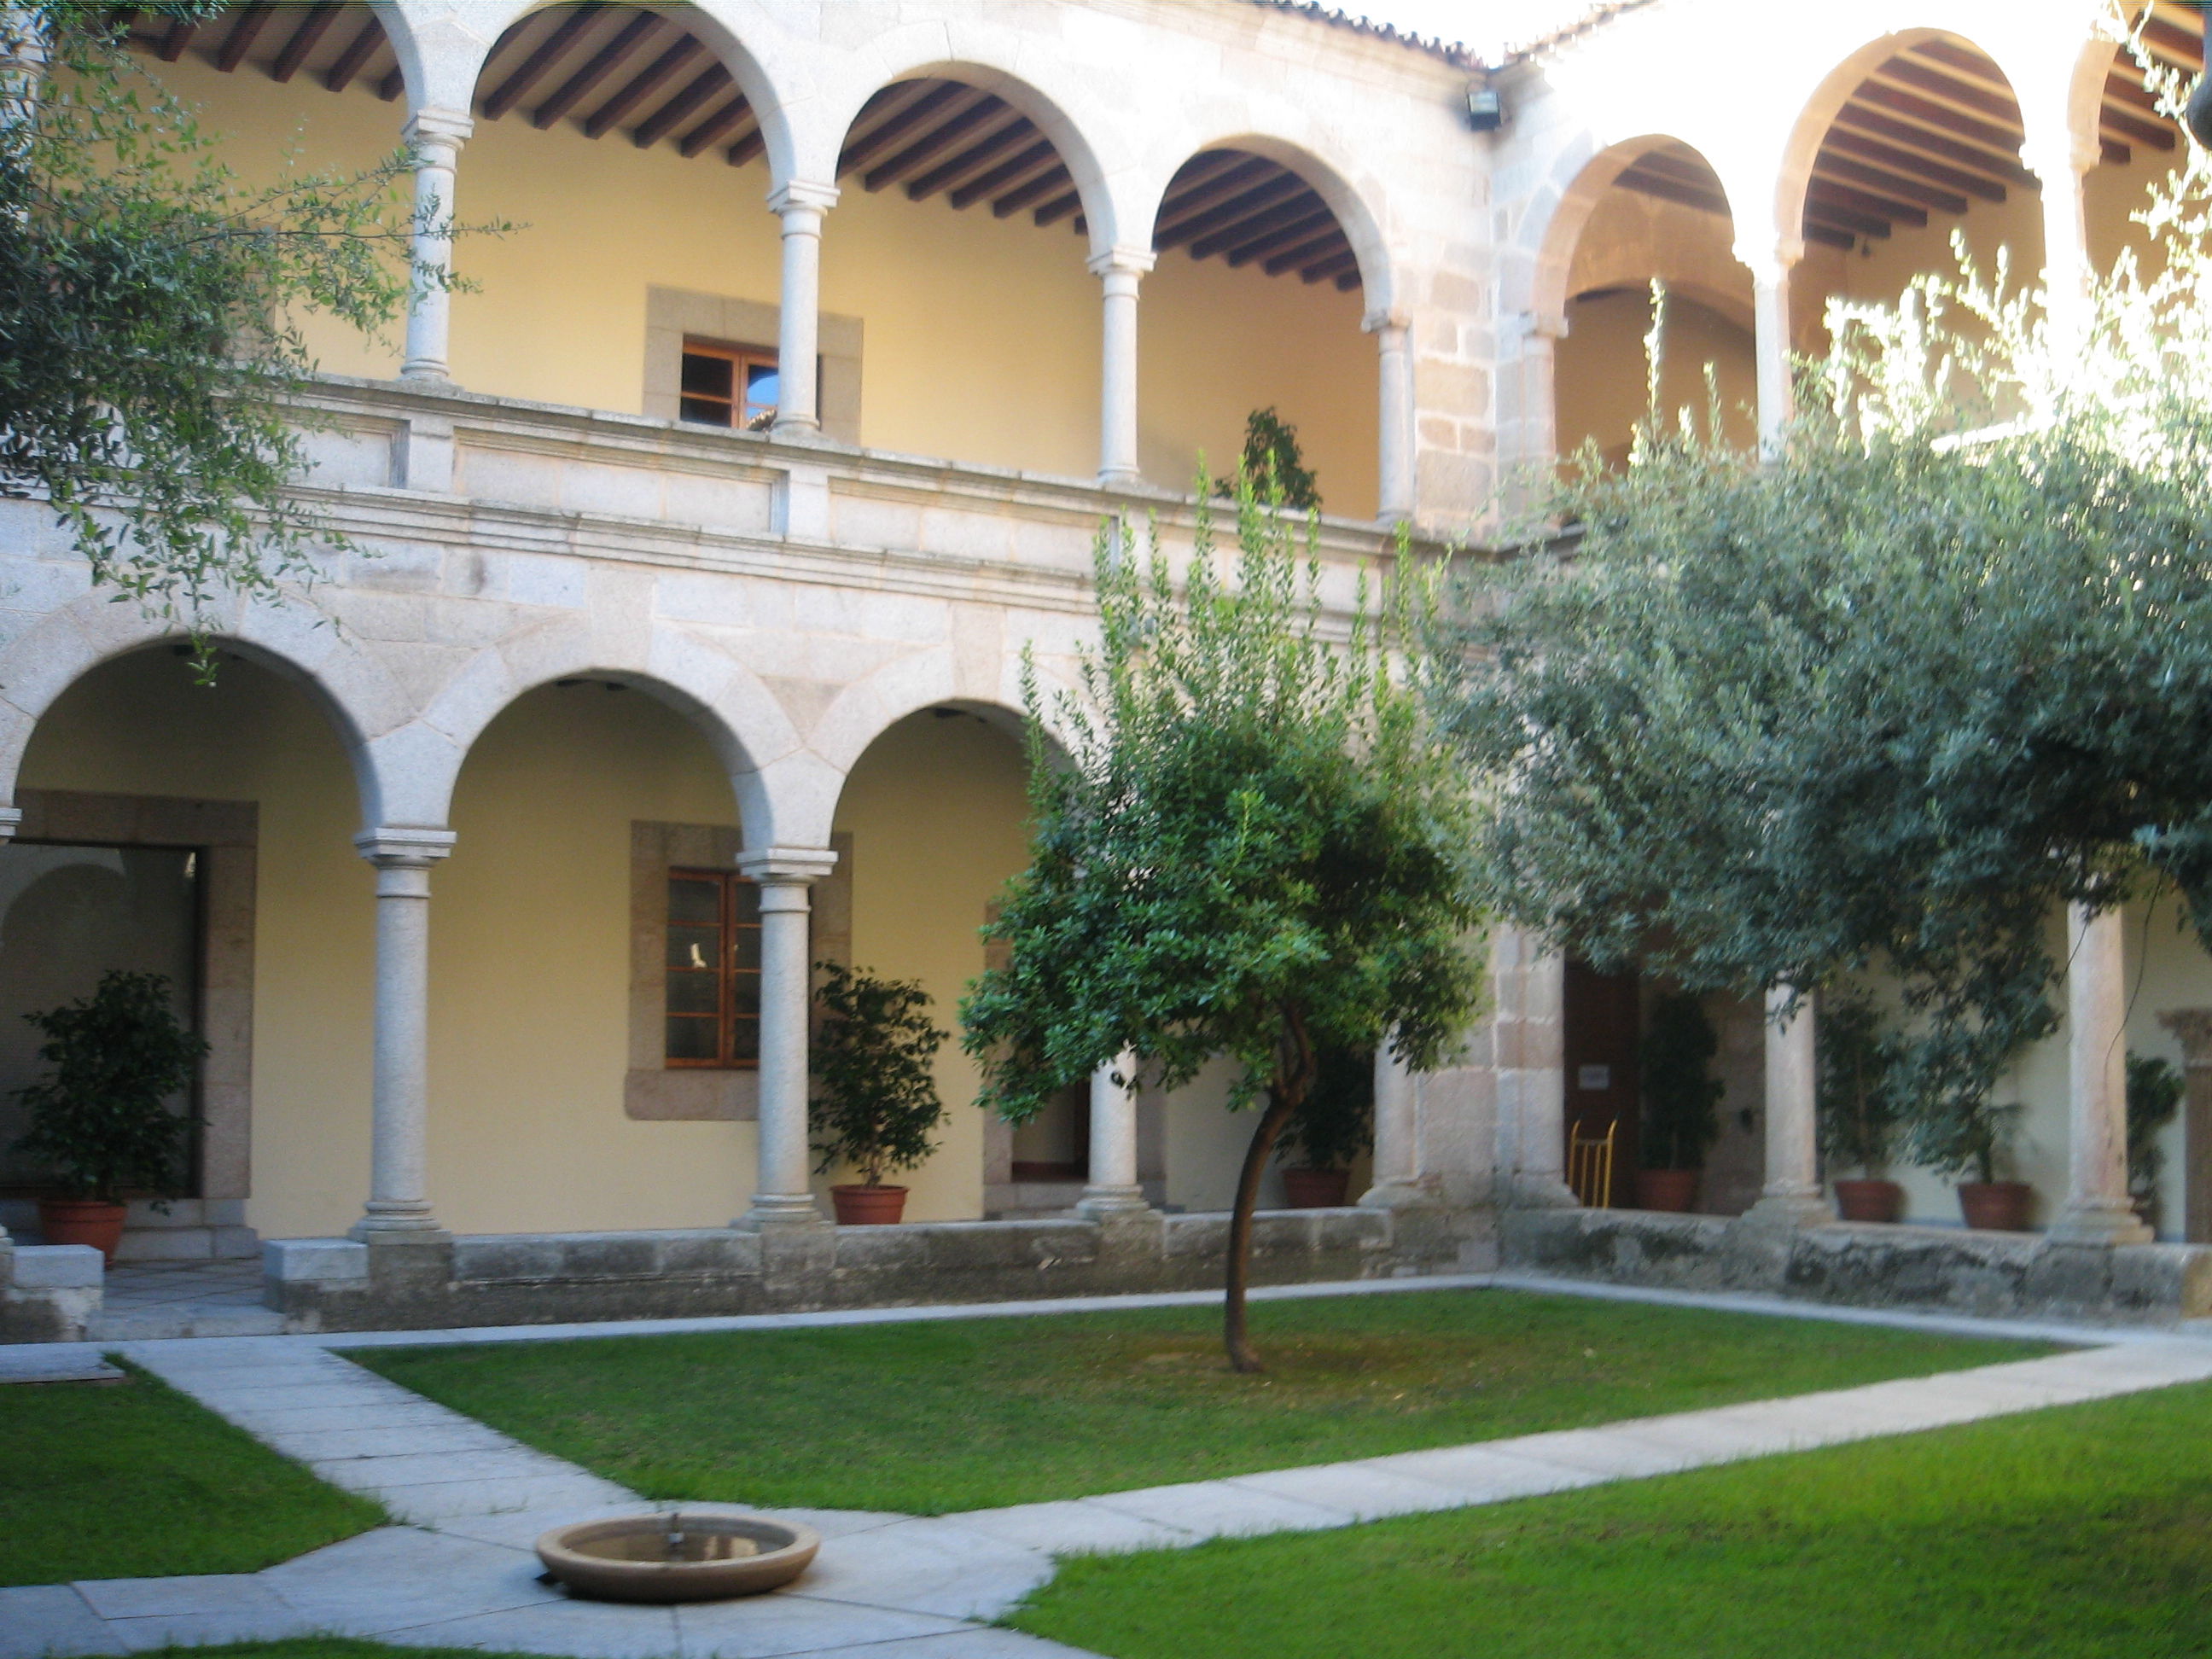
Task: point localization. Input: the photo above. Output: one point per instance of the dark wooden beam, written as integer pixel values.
(1308, 251)
(241, 36)
(2000, 107)
(1669, 190)
(1832, 164)
(751, 144)
(942, 101)
(975, 156)
(1827, 238)
(723, 122)
(665, 120)
(1300, 211)
(1186, 206)
(532, 70)
(1039, 155)
(1058, 209)
(2004, 168)
(392, 84)
(1045, 184)
(1843, 141)
(1820, 212)
(1859, 201)
(1925, 112)
(1686, 169)
(2129, 127)
(180, 36)
(304, 39)
(2184, 45)
(1276, 238)
(655, 75)
(603, 63)
(936, 139)
(1272, 186)
(1334, 265)
(339, 75)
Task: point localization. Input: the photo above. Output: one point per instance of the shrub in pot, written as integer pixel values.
(875, 1092)
(1859, 1104)
(1681, 1098)
(1973, 1138)
(2154, 1091)
(100, 1117)
(1331, 1126)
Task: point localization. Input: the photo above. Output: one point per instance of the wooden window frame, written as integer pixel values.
(743, 415)
(727, 884)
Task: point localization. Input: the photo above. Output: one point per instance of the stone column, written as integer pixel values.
(436, 136)
(1113, 1187)
(799, 205)
(398, 1202)
(1394, 468)
(1792, 1195)
(23, 68)
(2062, 166)
(1769, 307)
(2097, 1210)
(1527, 1036)
(1119, 271)
(2194, 1027)
(1397, 1138)
(783, 1196)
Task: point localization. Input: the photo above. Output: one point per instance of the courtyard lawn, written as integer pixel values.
(134, 1479)
(933, 1416)
(2084, 1531)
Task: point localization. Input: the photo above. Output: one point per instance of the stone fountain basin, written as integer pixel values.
(694, 1554)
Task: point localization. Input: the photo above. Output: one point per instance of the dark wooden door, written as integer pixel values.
(1600, 1036)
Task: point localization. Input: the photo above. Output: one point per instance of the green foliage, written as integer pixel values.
(1680, 1095)
(1891, 698)
(1335, 1122)
(1858, 1102)
(2154, 1092)
(1273, 465)
(100, 1116)
(875, 1091)
(150, 304)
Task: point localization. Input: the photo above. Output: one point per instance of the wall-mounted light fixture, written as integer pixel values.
(1485, 110)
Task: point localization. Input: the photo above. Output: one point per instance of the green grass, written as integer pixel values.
(934, 1416)
(2084, 1531)
(133, 1480)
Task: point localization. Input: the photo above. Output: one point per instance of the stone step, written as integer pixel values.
(181, 1319)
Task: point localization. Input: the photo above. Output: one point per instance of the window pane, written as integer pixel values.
(694, 947)
(744, 994)
(744, 948)
(763, 387)
(693, 993)
(703, 413)
(745, 1039)
(708, 376)
(690, 1039)
(694, 903)
(745, 901)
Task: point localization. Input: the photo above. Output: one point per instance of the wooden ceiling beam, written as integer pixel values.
(705, 84)
(532, 70)
(603, 63)
(1843, 140)
(1827, 238)
(1249, 173)
(1826, 213)
(935, 140)
(1271, 188)
(650, 80)
(1045, 184)
(348, 63)
(1685, 169)
(890, 102)
(1274, 238)
(2185, 46)
(1334, 265)
(720, 124)
(753, 143)
(1926, 111)
(942, 100)
(1859, 201)
(1308, 251)
(1831, 164)
(304, 40)
(1670, 189)
(970, 159)
(2128, 127)
(393, 83)
(242, 34)
(1058, 208)
(2004, 169)
(1037, 155)
(2000, 108)
(180, 36)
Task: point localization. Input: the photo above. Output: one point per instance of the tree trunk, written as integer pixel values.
(1280, 1107)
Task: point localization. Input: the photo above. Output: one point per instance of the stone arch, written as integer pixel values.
(1579, 181)
(356, 694)
(750, 735)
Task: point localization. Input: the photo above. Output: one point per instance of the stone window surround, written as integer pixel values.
(673, 314)
(653, 1090)
(226, 834)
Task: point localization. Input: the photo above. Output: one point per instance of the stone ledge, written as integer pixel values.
(58, 1266)
(1933, 1269)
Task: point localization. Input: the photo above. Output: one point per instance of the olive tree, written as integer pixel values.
(1254, 848)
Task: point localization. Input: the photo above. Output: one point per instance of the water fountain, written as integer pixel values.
(697, 1553)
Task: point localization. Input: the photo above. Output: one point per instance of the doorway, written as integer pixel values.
(1602, 1024)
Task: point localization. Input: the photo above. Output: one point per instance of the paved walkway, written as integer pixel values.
(144, 1300)
(459, 1571)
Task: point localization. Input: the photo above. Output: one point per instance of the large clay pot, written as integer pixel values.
(1995, 1207)
(1673, 1190)
(1315, 1189)
(868, 1207)
(82, 1221)
(1869, 1200)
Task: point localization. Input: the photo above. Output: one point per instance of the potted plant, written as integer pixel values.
(101, 1116)
(2154, 1091)
(1331, 1126)
(1974, 1138)
(1858, 1106)
(1680, 1101)
(875, 1093)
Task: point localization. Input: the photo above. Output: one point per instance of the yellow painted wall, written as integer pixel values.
(1602, 374)
(981, 334)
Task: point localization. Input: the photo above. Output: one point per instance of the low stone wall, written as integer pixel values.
(48, 1293)
(559, 1278)
(1933, 1269)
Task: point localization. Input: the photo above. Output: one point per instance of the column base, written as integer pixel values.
(1401, 1195)
(1119, 480)
(780, 1211)
(802, 430)
(397, 1223)
(2098, 1224)
(1111, 1200)
(1541, 1192)
(1792, 1207)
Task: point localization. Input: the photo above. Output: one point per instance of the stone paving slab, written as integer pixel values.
(41, 1363)
(36, 1619)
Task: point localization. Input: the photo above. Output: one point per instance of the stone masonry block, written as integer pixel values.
(58, 1267)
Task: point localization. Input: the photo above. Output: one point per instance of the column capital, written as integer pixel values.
(11, 820)
(786, 866)
(803, 193)
(1382, 320)
(404, 847)
(1543, 324)
(438, 129)
(2071, 156)
(1771, 262)
(2194, 1027)
(1123, 259)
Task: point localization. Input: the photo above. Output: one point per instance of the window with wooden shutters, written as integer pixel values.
(729, 385)
(712, 964)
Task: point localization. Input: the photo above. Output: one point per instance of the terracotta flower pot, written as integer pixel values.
(82, 1221)
(1315, 1189)
(868, 1207)
(1673, 1190)
(1995, 1207)
(1869, 1200)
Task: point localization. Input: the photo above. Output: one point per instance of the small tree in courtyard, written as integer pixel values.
(1254, 848)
